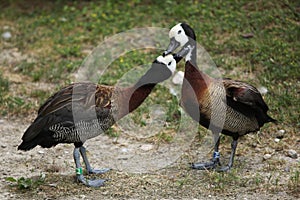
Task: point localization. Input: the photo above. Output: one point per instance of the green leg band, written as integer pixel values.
(78, 171)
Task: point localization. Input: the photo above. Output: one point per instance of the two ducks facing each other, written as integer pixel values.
(221, 105)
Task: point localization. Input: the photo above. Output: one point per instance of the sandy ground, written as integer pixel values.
(170, 179)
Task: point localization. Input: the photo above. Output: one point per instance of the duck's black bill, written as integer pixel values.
(172, 46)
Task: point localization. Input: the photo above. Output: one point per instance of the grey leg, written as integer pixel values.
(215, 160)
(231, 159)
(79, 174)
(89, 169)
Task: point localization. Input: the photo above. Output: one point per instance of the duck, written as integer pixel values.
(84, 110)
(222, 105)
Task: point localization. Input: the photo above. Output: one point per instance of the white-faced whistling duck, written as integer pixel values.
(231, 107)
(96, 108)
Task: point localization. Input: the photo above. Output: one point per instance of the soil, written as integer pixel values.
(170, 180)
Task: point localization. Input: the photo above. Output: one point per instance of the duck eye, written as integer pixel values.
(170, 63)
(179, 31)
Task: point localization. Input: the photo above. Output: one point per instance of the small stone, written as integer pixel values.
(53, 184)
(287, 169)
(267, 156)
(280, 134)
(178, 78)
(63, 19)
(248, 35)
(173, 91)
(41, 152)
(147, 147)
(3, 145)
(262, 90)
(292, 153)
(6, 35)
(124, 150)
(277, 140)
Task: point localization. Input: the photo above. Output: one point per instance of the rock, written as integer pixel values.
(280, 134)
(53, 184)
(124, 150)
(63, 19)
(41, 152)
(173, 91)
(281, 131)
(267, 156)
(6, 35)
(287, 169)
(277, 140)
(262, 90)
(3, 145)
(178, 78)
(292, 153)
(247, 35)
(147, 147)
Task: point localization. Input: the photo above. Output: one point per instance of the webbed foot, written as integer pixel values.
(98, 171)
(91, 183)
(207, 165)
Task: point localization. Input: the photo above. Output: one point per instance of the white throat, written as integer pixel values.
(188, 56)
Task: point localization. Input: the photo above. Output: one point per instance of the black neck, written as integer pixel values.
(156, 74)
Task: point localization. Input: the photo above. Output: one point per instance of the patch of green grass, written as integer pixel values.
(112, 133)
(4, 85)
(294, 182)
(17, 105)
(23, 183)
(221, 181)
(4, 88)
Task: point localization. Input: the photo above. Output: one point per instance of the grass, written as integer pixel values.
(23, 183)
(56, 36)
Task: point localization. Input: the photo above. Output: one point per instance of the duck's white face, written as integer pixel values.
(169, 61)
(178, 33)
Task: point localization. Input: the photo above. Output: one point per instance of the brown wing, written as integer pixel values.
(244, 93)
(87, 95)
(77, 97)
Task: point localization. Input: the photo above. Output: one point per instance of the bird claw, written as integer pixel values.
(95, 183)
(91, 183)
(224, 169)
(211, 165)
(205, 166)
(98, 171)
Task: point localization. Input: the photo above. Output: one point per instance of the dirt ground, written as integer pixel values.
(176, 180)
